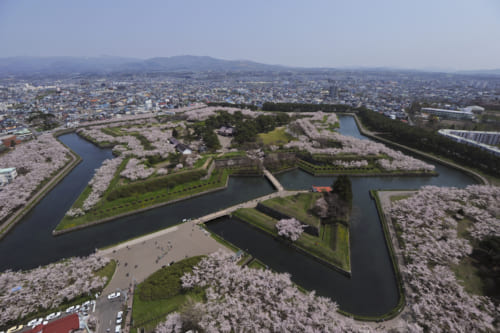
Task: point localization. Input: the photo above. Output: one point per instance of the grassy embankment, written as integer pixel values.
(332, 244)
(125, 198)
(162, 293)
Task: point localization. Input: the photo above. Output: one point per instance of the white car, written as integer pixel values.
(31, 323)
(70, 309)
(118, 320)
(36, 322)
(51, 316)
(114, 295)
(118, 328)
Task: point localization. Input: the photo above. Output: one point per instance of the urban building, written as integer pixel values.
(9, 173)
(483, 140)
(449, 114)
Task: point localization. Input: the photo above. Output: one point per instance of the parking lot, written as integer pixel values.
(107, 310)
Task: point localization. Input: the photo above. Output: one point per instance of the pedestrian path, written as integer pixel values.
(277, 185)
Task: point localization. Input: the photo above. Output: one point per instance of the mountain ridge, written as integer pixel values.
(28, 65)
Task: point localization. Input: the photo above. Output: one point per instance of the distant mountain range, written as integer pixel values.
(70, 65)
(184, 63)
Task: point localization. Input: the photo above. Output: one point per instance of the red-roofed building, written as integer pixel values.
(64, 325)
(321, 189)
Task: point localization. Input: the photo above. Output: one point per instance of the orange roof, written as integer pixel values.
(322, 188)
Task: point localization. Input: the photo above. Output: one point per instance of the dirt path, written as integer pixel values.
(225, 142)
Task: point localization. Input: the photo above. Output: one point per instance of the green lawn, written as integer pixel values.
(259, 219)
(276, 137)
(162, 293)
(257, 264)
(399, 197)
(107, 271)
(466, 272)
(232, 154)
(297, 206)
(468, 276)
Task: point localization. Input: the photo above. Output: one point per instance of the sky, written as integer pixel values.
(423, 34)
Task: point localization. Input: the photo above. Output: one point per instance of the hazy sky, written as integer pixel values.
(423, 34)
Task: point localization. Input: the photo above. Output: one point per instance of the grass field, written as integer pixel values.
(466, 272)
(468, 276)
(107, 271)
(297, 206)
(399, 197)
(276, 137)
(162, 293)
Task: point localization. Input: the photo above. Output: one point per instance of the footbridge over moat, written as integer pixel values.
(277, 185)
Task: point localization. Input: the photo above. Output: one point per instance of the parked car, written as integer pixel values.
(51, 316)
(32, 322)
(15, 328)
(118, 329)
(70, 309)
(114, 295)
(35, 322)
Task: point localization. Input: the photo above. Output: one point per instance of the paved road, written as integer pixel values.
(106, 311)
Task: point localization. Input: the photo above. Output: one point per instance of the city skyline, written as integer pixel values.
(449, 35)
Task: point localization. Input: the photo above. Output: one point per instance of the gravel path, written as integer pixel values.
(139, 258)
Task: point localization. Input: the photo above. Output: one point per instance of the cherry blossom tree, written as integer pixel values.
(241, 299)
(36, 161)
(100, 182)
(22, 293)
(290, 228)
(428, 222)
(310, 141)
(135, 170)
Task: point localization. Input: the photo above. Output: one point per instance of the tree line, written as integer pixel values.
(246, 128)
(231, 105)
(430, 141)
(303, 107)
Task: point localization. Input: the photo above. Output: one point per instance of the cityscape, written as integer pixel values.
(161, 192)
